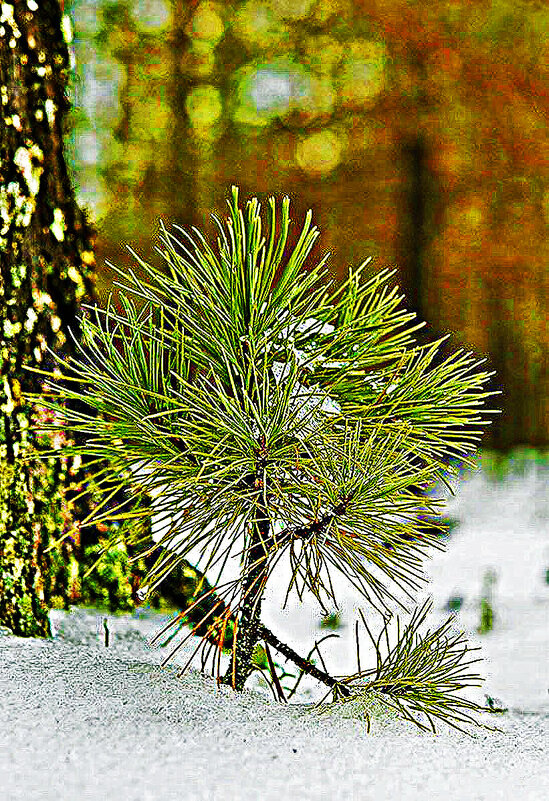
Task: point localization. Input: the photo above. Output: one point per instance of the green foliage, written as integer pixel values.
(454, 603)
(259, 657)
(494, 465)
(486, 616)
(76, 573)
(269, 414)
(420, 674)
(519, 462)
(494, 705)
(108, 585)
(486, 602)
(331, 621)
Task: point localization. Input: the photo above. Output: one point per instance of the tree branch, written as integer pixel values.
(319, 526)
(303, 664)
(185, 585)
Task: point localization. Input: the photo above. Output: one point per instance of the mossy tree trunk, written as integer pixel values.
(46, 255)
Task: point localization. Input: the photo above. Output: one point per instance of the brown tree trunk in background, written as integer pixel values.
(46, 255)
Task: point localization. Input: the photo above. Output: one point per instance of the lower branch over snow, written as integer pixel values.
(189, 589)
(303, 664)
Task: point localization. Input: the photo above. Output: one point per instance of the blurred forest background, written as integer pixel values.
(417, 133)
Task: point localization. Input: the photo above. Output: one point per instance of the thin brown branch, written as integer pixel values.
(303, 664)
(208, 599)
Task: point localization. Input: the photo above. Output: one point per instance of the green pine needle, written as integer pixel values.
(270, 412)
(419, 674)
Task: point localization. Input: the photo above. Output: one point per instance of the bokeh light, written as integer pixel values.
(417, 133)
(320, 153)
(204, 107)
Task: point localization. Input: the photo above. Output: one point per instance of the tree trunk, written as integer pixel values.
(247, 631)
(46, 255)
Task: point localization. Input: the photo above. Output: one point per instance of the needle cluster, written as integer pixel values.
(272, 413)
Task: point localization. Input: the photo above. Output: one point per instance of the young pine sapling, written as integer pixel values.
(273, 413)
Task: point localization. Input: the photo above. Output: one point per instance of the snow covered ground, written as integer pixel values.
(81, 721)
(503, 529)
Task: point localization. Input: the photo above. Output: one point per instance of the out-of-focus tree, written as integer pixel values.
(47, 267)
(416, 133)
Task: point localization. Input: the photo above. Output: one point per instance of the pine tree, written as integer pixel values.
(272, 413)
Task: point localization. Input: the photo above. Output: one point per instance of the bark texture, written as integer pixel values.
(247, 630)
(47, 268)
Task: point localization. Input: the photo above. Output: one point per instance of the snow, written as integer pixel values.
(82, 721)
